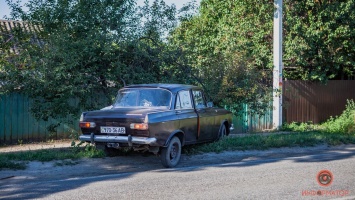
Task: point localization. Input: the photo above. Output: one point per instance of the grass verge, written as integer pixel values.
(262, 142)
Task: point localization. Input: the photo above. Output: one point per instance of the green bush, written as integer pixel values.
(339, 124)
(299, 127)
(343, 123)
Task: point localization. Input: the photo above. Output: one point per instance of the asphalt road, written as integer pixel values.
(273, 174)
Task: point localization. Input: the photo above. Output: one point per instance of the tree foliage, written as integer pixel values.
(90, 48)
(85, 51)
(227, 44)
(319, 39)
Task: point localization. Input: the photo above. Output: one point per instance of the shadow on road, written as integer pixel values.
(43, 179)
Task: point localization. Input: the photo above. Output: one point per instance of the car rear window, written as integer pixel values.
(143, 97)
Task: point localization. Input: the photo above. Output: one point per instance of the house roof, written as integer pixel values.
(8, 27)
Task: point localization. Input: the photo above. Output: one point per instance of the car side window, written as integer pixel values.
(183, 100)
(199, 99)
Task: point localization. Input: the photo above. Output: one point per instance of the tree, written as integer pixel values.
(77, 53)
(83, 51)
(228, 47)
(319, 40)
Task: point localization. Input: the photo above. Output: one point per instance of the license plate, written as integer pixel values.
(109, 129)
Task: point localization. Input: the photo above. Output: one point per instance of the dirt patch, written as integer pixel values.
(67, 143)
(36, 146)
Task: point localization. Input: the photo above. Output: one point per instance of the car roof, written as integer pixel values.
(171, 87)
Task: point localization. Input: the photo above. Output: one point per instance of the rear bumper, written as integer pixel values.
(118, 139)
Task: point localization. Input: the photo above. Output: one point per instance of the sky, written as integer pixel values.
(4, 9)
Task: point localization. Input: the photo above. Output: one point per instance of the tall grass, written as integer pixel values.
(343, 124)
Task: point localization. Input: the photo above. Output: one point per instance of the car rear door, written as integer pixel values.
(208, 126)
(187, 116)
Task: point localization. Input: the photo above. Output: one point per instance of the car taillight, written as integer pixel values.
(87, 124)
(139, 126)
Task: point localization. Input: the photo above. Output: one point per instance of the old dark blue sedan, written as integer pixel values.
(159, 118)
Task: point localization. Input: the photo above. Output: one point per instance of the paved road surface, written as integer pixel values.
(273, 174)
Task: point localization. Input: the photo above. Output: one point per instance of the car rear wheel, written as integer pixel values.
(222, 132)
(170, 155)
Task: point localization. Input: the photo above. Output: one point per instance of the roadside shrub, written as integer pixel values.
(345, 123)
(299, 127)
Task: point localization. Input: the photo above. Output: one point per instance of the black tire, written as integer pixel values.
(170, 155)
(222, 132)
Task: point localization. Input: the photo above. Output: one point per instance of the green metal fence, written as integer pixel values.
(252, 123)
(18, 125)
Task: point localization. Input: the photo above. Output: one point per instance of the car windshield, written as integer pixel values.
(143, 97)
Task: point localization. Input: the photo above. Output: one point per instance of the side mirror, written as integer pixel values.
(210, 105)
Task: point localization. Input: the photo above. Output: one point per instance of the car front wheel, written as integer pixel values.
(170, 155)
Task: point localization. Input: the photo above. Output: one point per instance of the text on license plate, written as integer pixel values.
(109, 129)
